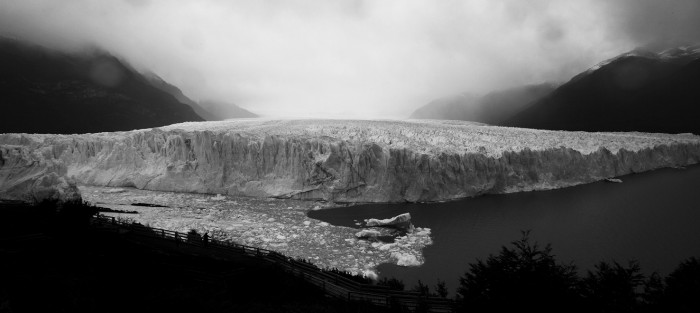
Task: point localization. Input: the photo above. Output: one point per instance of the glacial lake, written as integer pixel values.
(652, 217)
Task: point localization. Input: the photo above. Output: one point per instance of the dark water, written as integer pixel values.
(652, 217)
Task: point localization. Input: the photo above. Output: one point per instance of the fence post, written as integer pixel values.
(113, 222)
(162, 233)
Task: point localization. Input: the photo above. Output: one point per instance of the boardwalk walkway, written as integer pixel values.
(333, 284)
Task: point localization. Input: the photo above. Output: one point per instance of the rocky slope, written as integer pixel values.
(635, 91)
(350, 161)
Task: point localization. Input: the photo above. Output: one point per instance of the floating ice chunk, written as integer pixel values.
(385, 247)
(114, 190)
(368, 233)
(370, 274)
(401, 221)
(218, 197)
(421, 232)
(307, 223)
(405, 259)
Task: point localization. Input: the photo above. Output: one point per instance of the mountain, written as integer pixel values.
(45, 91)
(224, 110)
(209, 110)
(459, 107)
(161, 84)
(493, 108)
(635, 91)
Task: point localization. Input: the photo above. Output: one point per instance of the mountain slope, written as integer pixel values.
(493, 108)
(224, 110)
(44, 91)
(161, 84)
(460, 107)
(636, 91)
(209, 110)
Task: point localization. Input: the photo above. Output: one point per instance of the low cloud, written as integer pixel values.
(352, 58)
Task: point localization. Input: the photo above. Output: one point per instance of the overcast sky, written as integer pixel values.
(353, 58)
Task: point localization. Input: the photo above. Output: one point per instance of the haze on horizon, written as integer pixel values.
(352, 58)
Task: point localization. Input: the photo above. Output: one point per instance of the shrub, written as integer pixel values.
(518, 278)
(441, 289)
(613, 287)
(683, 287)
(392, 283)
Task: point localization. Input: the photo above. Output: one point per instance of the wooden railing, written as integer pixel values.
(332, 284)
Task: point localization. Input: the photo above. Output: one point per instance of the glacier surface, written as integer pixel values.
(340, 160)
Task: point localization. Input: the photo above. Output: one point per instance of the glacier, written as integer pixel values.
(341, 161)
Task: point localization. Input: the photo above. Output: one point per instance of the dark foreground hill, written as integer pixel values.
(636, 91)
(493, 108)
(44, 91)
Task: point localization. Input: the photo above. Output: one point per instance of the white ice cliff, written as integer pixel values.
(341, 160)
(33, 176)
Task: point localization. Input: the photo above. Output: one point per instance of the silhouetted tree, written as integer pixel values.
(613, 287)
(392, 283)
(683, 287)
(653, 295)
(421, 288)
(525, 277)
(424, 292)
(441, 289)
(193, 236)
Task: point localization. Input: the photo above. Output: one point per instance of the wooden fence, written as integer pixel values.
(332, 284)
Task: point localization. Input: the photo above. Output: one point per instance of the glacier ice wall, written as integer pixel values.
(31, 176)
(351, 161)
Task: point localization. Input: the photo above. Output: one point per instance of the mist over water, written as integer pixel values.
(651, 217)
